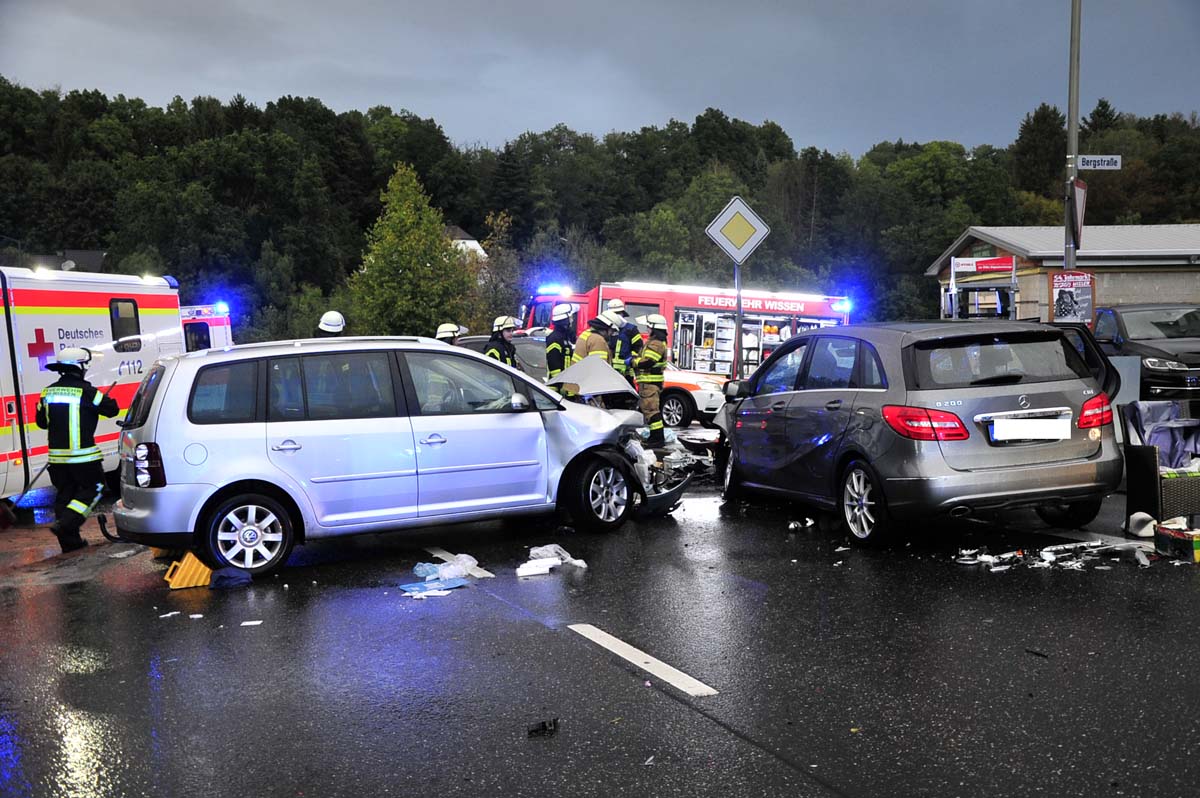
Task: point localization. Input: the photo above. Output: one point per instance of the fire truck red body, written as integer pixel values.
(702, 319)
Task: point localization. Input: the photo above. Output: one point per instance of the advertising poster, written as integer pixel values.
(1072, 296)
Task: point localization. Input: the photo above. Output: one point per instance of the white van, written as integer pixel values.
(127, 321)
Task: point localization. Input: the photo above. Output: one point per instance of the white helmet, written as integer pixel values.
(74, 356)
(617, 306)
(504, 323)
(447, 332)
(332, 322)
(562, 312)
(655, 321)
(612, 319)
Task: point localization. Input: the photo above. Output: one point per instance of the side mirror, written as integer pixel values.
(737, 389)
(519, 402)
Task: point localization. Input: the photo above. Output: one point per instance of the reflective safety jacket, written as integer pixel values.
(558, 353)
(650, 366)
(501, 350)
(69, 410)
(590, 344)
(627, 348)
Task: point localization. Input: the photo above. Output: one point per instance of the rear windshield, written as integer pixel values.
(139, 408)
(1004, 359)
(1145, 325)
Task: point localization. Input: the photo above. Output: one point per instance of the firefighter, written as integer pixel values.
(69, 409)
(649, 368)
(332, 325)
(627, 344)
(593, 342)
(448, 332)
(558, 344)
(500, 345)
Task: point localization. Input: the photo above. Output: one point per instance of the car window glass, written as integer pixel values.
(285, 391)
(832, 363)
(531, 354)
(872, 369)
(126, 327)
(1181, 322)
(1106, 325)
(781, 375)
(348, 385)
(543, 402)
(997, 360)
(196, 336)
(225, 394)
(448, 385)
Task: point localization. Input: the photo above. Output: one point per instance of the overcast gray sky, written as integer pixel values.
(837, 74)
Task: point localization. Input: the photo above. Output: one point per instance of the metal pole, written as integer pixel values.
(1072, 138)
(737, 333)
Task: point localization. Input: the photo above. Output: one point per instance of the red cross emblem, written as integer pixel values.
(42, 349)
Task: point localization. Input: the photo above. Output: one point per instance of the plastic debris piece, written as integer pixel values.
(169, 614)
(795, 561)
(251, 623)
(538, 567)
(1049, 556)
(1041, 564)
(842, 548)
(545, 728)
(1087, 544)
(1178, 522)
(967, 561)
(1180, 562)
(556, 551)
(428, 594)
(855, 730)
(968, 552)
(998, 568)
(838, 563)
(649, 761)
(120, 555)
(987, 559)
(796, 526)
(461, 566)
(443, 584)
(1073, 565)
(1102, 568)
(196, 616)
(1037, 653)
(1142, 559)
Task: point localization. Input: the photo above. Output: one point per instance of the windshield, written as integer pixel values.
(1162, 323)
(1004, 359)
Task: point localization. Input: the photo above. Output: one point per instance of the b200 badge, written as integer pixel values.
(952, 403)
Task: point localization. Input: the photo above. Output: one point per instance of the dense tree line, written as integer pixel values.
(278, 209)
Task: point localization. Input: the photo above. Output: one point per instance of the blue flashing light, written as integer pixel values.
(222, 308)
(561, 290)
(841, 306)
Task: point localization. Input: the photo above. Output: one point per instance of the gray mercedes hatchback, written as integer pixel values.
(893, 423)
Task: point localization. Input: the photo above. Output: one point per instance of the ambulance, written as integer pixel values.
(206, 326)
(127, 322)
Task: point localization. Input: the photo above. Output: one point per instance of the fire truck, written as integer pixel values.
(703, 320)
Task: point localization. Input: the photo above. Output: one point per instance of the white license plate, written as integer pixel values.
(1031, 429)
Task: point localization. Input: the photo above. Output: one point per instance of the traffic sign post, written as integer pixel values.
(738, 231)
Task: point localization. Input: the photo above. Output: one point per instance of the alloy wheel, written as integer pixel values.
(672, 411)
(858, 503)
(250, 536)
(608, 493)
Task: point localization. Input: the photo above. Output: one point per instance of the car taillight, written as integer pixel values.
(147, 466)
(1096, 412)
(922, 424)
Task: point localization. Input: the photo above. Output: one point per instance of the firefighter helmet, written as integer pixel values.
(655, 321)
(612, 319)
(504, 323)
(562, 312)
(73, 356)
(617, 306)
(447, 332)
(332, 322)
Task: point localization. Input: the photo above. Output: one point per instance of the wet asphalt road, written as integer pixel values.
(895, 672)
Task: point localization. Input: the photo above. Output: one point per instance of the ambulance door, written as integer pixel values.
(12, 463)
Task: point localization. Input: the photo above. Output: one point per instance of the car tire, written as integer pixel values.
(263, 548)
(861, 509)
(677, 410)
(1070, 515)
(729, 474)
(601, 498)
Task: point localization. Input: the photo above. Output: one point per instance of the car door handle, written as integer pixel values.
(433, 440)
(287, 446)
(833, 404)
(779, 405)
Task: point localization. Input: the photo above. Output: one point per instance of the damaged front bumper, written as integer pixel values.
(659, 481)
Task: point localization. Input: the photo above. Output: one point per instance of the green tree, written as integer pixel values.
(411, 278)
(1102, 119)
(1040, 151)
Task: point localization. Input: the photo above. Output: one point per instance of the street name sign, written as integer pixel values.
(1099, 161)
(738, 230)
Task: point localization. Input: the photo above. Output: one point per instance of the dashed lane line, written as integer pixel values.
(672, 676)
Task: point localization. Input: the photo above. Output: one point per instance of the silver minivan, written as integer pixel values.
(242, 453)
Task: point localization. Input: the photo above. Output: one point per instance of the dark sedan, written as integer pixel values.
(1165, 337)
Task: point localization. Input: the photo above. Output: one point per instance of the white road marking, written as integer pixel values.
(446, 556)
(672, 676)
(251, 623)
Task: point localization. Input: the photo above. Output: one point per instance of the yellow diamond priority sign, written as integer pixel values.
(738, 230)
